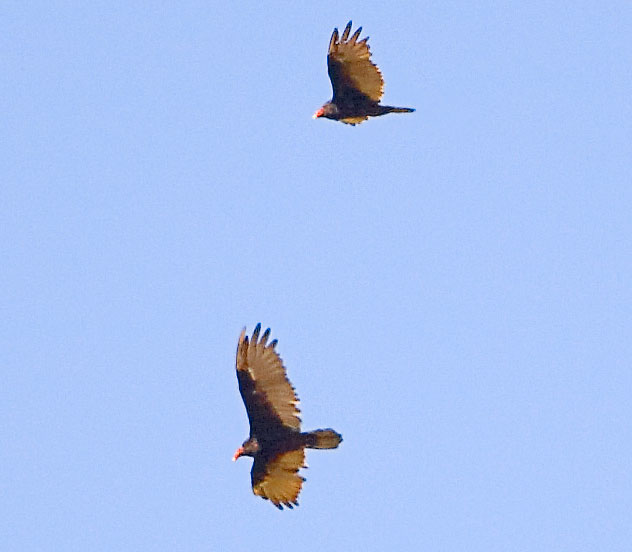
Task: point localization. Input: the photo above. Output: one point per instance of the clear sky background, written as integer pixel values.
(451, 289)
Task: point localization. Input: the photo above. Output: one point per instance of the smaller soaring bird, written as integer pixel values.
(356, 81)
(276, 442)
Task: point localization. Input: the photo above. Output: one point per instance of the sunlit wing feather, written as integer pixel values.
(350, 67)
(277, 479)
(354, 120)
(268, 395)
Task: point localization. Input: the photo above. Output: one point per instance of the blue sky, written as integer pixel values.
(450, 289)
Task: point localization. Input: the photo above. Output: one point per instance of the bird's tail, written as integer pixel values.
(391, 109)
(323, 439)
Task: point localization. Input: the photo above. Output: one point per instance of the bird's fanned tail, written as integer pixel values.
(323, 439)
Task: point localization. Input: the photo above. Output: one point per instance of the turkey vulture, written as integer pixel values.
(276, 442)
(356, 80)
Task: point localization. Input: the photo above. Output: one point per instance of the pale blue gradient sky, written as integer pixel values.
(451, 289)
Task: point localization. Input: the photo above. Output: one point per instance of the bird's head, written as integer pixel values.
(249, 448)
(329, 111)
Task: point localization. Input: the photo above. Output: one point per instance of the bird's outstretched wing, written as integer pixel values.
(350, 67)
(268, 395)
(277, 479)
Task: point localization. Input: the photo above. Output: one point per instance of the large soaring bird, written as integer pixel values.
(276, 442)
(356, 80)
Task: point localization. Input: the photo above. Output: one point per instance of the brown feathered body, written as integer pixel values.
(276, 442)
(357, 82)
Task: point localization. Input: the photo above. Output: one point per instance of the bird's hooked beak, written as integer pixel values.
(319, 113)
(238, 453)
